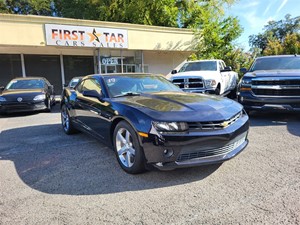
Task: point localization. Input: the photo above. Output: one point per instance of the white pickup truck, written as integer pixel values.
(205, 76)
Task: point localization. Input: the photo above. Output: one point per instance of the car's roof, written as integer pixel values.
(79, 77)
(121, 74)
(204, 60)
(277, 56)
(29, 78)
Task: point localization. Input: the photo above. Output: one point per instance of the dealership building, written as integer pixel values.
(60, 48)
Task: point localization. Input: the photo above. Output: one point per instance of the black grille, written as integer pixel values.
(213, 125)
(270, 92)
(211, 151)
(275, 82)
(189, 83)
(24, 98)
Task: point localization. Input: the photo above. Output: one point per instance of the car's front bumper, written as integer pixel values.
(200, 90)
(172, 151)
(268, 103)
(13, 107)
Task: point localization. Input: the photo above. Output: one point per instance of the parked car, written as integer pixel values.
(27, 94)
(272, 83)
(206, 76)
(149, 121)
(73, 82)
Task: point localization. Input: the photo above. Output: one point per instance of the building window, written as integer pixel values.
(75, 66)
(10, 68)
(47, 66)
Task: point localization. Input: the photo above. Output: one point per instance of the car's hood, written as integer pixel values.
(273, 73)
(206, 74)
(181, 106)
(21, 93)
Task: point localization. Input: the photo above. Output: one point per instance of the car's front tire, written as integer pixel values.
(48, 105)
(66, 121)
(128, 151)
(218, 90)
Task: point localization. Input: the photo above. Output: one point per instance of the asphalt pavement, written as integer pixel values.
(48, 177)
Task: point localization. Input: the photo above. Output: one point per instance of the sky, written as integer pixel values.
(254, 14)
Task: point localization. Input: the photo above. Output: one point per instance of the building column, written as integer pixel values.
(122, 71)
(62, 70)
(95, 61)
(99, 62)
(142, 61)
(23, 65)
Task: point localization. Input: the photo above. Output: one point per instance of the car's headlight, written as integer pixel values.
(39, 98)
(2, 99)
(246, 82)
(210, 83)
(170, 126)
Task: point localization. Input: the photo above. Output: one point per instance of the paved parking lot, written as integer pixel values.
(47, 177)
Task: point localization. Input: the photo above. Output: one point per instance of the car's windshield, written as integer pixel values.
(122, 85)
(276, 63)
(25, 84)
(198, 66)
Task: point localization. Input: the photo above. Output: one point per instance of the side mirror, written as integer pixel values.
(173, 71)
(227, 69)
(243, 70)
(65, 85)
(2, 88)
(92, 94)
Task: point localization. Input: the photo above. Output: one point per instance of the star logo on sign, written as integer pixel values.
(94, 36)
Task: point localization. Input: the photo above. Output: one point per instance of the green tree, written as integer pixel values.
(214, 32)
(277, 33)
(33, 7)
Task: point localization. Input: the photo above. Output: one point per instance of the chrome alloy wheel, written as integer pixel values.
(125, 148)
(65, 119)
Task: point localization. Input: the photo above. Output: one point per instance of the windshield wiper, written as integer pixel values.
(127, 94)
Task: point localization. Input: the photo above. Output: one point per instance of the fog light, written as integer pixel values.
(168, 152)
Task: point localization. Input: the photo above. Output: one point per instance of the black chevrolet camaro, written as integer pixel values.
(149, 121)
(27, 94)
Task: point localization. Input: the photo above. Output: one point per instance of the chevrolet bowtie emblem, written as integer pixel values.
(224, 124)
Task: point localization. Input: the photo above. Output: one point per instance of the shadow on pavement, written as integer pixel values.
(290, 120)
(50, 161)
(55, 109)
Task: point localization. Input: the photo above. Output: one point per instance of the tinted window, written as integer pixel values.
(91, 84)
(47, 66)
(74, 82)
(10, 68)
(118, 85)
(198, 66)
(79, 87)
(276, 63)
(26, 84)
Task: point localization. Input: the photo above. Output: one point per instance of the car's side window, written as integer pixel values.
(91, 84)
(79, 87)
(221, 66)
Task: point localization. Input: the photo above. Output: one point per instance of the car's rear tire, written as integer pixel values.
(128, 151)
(66, 121)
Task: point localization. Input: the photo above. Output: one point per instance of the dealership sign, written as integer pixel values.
(78, 36)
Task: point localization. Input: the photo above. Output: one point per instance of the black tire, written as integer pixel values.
(48, 105)
(217, 90)
(128, 151)
(66, 121)
(233, 94)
